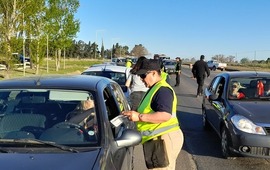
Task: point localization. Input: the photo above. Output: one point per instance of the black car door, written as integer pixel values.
(115, 103)
(215, 104)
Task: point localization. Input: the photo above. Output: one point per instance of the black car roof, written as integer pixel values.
(245, 74)
(82, 82)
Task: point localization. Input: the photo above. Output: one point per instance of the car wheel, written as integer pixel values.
(225, 144)
(214, 68)
(206, 125)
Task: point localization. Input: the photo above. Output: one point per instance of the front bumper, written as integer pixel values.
(170, 71)
(251, 145)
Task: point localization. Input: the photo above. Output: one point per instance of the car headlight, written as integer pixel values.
(245, 125)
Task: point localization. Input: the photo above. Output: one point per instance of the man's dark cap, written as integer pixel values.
(156, 56)
(148, 65)
(202, 57)
(177, 58)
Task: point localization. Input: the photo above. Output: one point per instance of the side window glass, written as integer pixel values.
(112, 109)
(119, 95)
(214, 84)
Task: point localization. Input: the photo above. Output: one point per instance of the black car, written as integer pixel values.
(169, 66)
(237, 106)
(65, 122)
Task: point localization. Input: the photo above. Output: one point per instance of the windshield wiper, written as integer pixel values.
(36, 141)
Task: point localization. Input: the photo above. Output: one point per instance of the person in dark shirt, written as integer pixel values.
(198, 70)
(177, 71)
(156, 115)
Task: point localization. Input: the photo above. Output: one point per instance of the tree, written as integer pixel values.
(11, 18)
(61, 25)
(244, 61)
(102, 50)
(139, 50)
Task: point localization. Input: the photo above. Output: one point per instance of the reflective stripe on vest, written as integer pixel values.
(152, 130)
(155, 132)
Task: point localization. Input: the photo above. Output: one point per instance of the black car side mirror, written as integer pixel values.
(129, 137)
(213, 97)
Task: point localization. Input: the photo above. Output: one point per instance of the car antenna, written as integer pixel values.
(38, 83)
(255, 70)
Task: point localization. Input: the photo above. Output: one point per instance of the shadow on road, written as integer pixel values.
(197, 141)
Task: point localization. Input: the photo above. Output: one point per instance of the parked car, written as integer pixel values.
(116, 73)
(3, 67)
(236, 105)
(21, 59)
(214, 64)
(169, 66)
(36, 131)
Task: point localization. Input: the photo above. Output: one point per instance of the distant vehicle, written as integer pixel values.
(169, 66)
(3, 67)
(121, 61)
(236, 105)
(44, 124)
(21, 59)
(117, 73)
(214, 64)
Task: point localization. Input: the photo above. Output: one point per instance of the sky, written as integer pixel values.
(180, 28)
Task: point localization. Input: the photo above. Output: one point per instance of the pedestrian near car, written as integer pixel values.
(156, 119)
(135, 84)
(200, 70)
(128, 63)
(178, 67)
(164, 75)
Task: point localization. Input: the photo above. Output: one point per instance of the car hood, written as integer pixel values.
(40, 161)
(257, 111)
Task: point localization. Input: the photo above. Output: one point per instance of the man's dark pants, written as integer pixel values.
(200, 82)
(177, 79)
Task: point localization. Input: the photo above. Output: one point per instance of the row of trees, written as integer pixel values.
(27, 26)
(90, 50)
(43, 28)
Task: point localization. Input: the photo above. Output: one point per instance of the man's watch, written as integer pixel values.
(140, 116)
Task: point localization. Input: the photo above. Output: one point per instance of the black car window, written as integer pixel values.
(112, 109)
(250, 88)
(214, 84)
(120, 97)
(54, 115)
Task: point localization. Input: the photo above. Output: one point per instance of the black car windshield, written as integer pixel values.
(64, 117)
(249, 88)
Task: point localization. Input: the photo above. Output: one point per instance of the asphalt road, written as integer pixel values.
(201, 150)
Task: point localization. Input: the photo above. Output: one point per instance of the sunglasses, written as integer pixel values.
(234, 86)
(144, 75)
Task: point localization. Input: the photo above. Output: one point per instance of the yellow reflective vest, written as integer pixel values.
(163, 75)
(128, 64)
(152, 130)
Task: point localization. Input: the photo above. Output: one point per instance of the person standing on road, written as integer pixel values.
(178, 66)
(156, 118)
(135, 84)
(128, 63)
(164, 75)
(198, 70)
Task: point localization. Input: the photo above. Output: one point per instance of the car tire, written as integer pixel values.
(214, 68)
(225, 144)
(206, 124)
